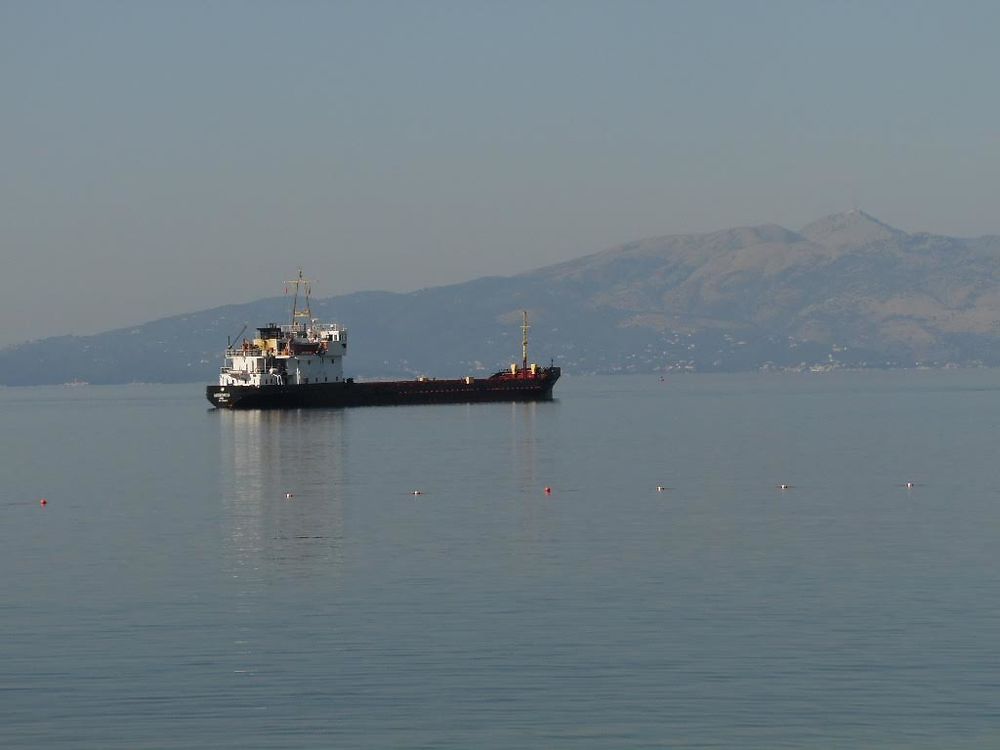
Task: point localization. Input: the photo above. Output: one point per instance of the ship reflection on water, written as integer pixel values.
(532, 469)
(522, 443)
(283, 491)
(334, 493)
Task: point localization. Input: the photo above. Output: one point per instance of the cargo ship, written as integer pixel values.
(301, 364)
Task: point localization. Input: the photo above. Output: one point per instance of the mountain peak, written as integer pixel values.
(854, 227)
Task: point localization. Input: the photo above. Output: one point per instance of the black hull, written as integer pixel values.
(394, 393)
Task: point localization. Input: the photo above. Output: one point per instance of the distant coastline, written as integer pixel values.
(844, 292)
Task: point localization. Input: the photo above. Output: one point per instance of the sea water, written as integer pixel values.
(203, 578)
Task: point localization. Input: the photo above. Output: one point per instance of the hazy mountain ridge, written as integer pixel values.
(844, 291)
(846, 279)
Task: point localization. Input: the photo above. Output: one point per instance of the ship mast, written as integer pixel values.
(524, 341)
(306, 312)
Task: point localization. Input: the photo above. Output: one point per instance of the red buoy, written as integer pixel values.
(548, 490)
(43, 502)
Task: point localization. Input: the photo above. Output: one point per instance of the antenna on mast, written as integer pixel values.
(524, 340)
(306, 312)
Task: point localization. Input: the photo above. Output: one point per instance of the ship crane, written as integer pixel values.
(229, 341)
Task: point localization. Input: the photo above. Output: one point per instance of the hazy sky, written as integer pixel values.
(163, 157)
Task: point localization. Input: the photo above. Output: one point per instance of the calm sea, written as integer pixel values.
(170, 595)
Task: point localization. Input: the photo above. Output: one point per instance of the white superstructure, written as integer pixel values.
(303, 352)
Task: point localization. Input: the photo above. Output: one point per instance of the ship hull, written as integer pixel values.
(385, 393)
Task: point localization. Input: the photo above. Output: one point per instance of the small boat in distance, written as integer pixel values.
(301, 365)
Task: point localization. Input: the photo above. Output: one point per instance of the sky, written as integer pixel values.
(158, 158)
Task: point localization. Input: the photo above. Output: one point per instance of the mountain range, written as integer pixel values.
(844, 291)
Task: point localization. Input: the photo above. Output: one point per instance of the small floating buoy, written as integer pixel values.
(43, 502)
(784, 486)
(548, 490)
(910, 485)
(289, 496)
(661, 488)
(417, 492)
